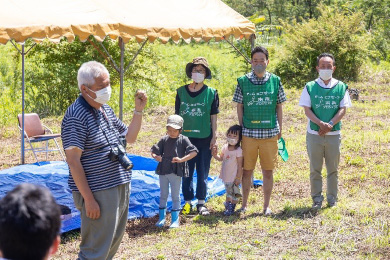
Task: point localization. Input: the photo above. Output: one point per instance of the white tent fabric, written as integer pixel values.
(142, 19)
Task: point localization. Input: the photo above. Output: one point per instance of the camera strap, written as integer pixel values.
(101, 128)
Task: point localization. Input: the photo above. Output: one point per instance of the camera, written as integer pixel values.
(118, 152)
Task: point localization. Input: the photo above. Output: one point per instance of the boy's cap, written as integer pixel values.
(175, 121)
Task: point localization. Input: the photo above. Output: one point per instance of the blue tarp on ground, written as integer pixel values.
(145, 191)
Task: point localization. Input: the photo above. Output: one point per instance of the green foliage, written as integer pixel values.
(341, 34)
(224, 68)
(51, 74)
(9, 87)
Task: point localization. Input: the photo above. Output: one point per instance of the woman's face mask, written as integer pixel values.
(103, 95)
(197, 77)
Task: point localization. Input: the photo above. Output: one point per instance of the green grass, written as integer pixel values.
(358, 228)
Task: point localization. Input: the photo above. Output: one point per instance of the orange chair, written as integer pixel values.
(35, 131)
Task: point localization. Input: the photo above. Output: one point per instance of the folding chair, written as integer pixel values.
(35, 131)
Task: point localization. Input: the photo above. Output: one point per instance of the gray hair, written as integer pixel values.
(89, 71)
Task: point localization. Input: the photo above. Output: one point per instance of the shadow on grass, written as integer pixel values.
(215, 218)
(146, 226)
(297, 213)
(70, 236)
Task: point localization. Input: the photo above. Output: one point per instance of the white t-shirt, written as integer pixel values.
(305, 101)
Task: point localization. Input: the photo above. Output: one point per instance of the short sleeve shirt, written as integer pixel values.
(260, 133)
(229, 164)
(305, 101)
(83, 127)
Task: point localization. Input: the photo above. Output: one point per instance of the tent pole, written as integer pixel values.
(237, 50)
(252, 40)
(22, 132)
(121, 72)
(23, 53)
(135, 56)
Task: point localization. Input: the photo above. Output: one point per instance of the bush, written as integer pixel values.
(339, 33)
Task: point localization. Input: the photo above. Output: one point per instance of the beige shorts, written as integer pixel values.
(265, 149)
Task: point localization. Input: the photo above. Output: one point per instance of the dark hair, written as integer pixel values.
(326, 55)
(29, 222)
(259, 49)
(236, 129)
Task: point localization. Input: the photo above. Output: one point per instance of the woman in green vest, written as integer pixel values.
(198, 104)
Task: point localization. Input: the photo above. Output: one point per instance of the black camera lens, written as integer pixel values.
(125, 162)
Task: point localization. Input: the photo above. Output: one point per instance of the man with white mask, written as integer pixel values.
(325, 101)
(99, 170)
(259, 96)
(198, 104)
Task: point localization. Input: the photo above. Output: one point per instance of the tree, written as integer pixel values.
(52, 72)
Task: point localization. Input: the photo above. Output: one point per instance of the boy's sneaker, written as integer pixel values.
(332, 204)
(202, 210)
(186, 209)
(317, 205)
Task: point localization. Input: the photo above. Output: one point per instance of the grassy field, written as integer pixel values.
(359, 227)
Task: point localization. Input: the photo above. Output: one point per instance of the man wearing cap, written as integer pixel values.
(259, 96)
(198, 104)
(325, 101)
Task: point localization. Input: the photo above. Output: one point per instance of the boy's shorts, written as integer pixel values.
(265, 149)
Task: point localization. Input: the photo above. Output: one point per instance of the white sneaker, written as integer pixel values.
(267, 212)
(242, 210)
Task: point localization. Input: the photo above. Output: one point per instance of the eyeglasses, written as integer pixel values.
(199, 71)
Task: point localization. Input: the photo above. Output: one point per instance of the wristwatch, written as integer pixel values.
(331, 123)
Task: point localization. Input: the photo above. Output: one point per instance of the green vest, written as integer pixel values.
(325, 102)
(196, 112)
(259, 102)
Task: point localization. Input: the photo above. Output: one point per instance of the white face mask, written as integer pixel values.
(325, 74)
(197, 77)
(103, 95)
(231, 141)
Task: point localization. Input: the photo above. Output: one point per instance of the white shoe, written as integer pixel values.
(267, 212)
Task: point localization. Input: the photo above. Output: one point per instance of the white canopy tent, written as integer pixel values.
(145, 20)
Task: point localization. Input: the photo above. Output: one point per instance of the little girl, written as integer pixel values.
(172, 152)
(231, 171)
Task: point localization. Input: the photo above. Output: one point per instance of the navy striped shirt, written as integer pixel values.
(80, 129)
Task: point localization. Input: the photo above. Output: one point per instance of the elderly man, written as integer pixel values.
(325, 101)
(29, 223)
(259, 96)
(100, 172)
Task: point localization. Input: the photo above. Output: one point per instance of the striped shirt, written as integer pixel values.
(80, 129)
(260, 133)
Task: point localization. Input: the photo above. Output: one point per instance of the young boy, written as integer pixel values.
(172, 152)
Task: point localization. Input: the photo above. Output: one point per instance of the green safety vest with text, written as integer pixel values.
(196, 112)
(325, 102)
(259, 102)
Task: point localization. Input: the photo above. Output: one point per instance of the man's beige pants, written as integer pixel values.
(100, 238)
(318, 148)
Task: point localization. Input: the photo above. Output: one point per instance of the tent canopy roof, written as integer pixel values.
(146, 19)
